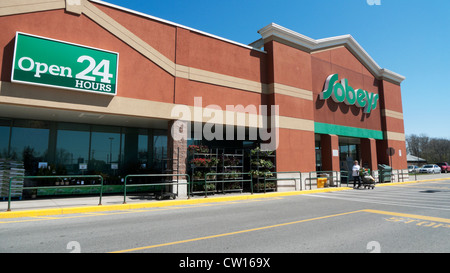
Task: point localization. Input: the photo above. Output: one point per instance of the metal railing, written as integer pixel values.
(227, 180)
(285, 178)
(392, 176)
(400, 174)
(326, 173)
(345, 174)
(56, 187)
(173, 183)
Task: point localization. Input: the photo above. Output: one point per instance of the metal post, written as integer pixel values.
(101, 191)
(9, 195)
(251, 182)
(125, 190)
(206, 188)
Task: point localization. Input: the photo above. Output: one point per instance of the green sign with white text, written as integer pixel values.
(53, 63)
(343, 92)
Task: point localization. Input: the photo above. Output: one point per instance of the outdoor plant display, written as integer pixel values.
(229, 161)
(204, 162)
(258, 151)
(198, 149)
(262, 165)
(232, 175)
(269, 185)
(198, 175)
(256, 173)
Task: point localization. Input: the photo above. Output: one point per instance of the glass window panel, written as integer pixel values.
(143, 147)
(4, 138)
(159, 145)
(29, 141)
(105, 149)
(72, 146)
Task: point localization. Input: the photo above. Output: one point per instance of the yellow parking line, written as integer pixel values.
(415, 216)
(233, 233)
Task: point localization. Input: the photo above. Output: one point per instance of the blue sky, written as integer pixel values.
(410, 37)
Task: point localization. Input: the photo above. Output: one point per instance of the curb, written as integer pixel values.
(103, 208)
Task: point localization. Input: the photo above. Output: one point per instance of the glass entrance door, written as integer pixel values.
(349, 151)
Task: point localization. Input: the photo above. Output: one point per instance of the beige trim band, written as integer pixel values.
(200, 75)
(296, 124)
(128, 37)
(53, 98)
(278, 88)
(394, 136)
(12, 7)
(392, 114)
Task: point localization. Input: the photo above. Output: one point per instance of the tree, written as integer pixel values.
(416, 144)
(431, 149)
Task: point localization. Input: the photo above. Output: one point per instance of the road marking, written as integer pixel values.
(396, 219)
(415, 216)
(395, 196)
(399, 196)
(418, 220)
(234, 233)
(391, 203)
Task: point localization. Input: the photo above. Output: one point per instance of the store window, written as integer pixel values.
(142, 148)
(78, 149)
(72, 147)
(159, 145)
(349, 151)
(29, 143)
(106, 148)
(5, 130)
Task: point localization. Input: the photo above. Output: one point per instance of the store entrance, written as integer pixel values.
(349, 151)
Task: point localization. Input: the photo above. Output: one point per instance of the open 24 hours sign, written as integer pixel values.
(52, 63)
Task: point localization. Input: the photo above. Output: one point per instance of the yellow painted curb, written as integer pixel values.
(73, 210)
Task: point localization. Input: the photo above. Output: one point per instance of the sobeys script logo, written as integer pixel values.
(53, 63)
(343, 92)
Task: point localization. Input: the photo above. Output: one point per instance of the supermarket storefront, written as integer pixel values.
(99, 89)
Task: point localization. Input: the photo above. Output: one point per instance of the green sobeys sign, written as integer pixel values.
(53, 63)
(342, 92)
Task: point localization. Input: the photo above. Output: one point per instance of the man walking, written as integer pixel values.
(355, 174)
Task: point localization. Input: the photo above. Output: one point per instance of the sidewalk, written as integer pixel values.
(57, 206)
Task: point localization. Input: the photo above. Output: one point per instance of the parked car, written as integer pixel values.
(430, 168)
(413, 169)
(445, 168)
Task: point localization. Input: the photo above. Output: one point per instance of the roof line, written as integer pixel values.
(344, 40)
(175, 24)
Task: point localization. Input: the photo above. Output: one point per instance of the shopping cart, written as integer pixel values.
(367, 180)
